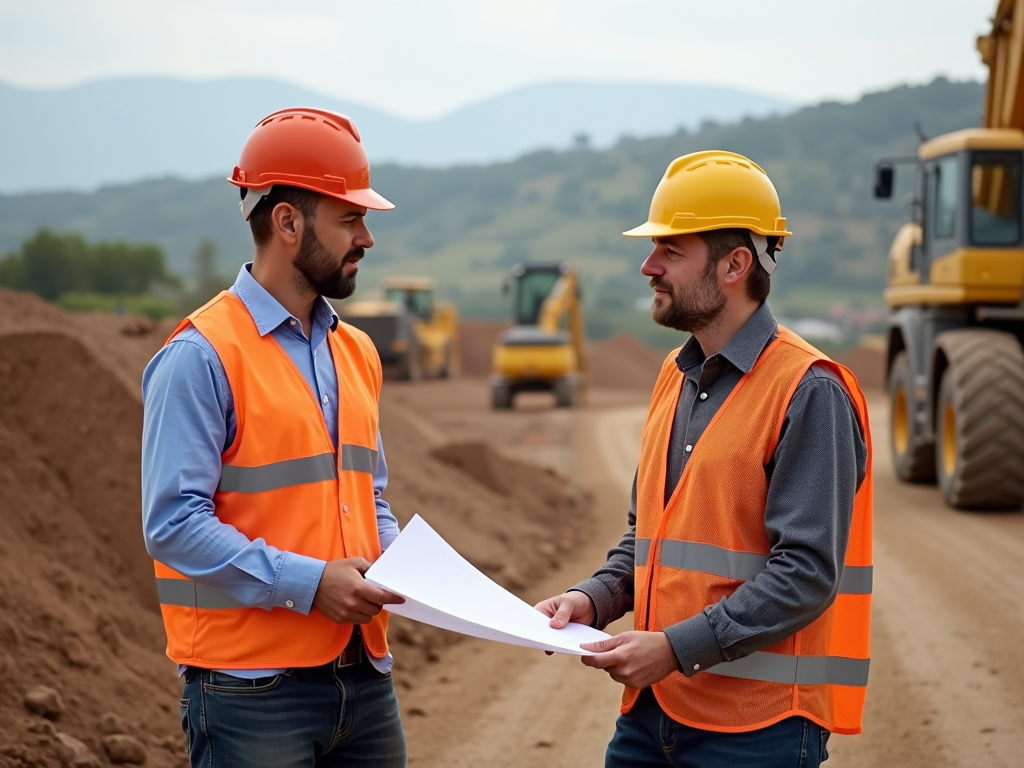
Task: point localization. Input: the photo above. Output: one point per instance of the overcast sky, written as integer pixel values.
(422, 59)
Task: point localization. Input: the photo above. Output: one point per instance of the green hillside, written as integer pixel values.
(467, 226)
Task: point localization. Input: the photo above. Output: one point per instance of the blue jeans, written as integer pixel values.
(646, 736)
(305, 718)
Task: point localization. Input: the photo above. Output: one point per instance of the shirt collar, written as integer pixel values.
(742, 350)
(267, 312)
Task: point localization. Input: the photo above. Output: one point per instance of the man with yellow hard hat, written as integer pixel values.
(747, 560)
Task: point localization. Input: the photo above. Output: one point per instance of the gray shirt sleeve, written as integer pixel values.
(610, 589)
(819, 463)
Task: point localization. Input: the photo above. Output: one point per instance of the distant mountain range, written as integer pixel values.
(117, 131)
(468, 226)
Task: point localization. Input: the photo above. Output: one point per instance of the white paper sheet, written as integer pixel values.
(442, 589)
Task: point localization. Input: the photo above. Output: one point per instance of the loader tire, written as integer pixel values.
(913, 458)
(501, 396)
(979, 419)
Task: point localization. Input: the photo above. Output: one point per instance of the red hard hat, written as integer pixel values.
(309, 148)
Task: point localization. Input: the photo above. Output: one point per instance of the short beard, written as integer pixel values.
(319, 269)
(692, 309)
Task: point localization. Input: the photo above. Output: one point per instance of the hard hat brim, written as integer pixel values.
(367, 198)
(656, 229)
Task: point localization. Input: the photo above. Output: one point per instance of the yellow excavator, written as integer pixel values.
(543, 351)
(413, 333)
(956, 291)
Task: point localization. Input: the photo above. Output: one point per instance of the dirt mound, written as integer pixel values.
(623, 362)
(868, 365)
(78, 612)
(476, 342)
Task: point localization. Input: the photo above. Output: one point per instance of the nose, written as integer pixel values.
(363, 238)
(652, 266)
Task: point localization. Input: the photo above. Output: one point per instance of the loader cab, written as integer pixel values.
(416, 295)
(967, 210)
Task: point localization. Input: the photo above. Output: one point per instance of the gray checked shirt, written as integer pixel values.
(813, 476)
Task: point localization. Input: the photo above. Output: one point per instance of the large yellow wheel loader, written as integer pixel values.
(412, 332)
(956, 274)
(543, 351)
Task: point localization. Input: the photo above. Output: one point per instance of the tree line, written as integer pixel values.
(114, 276)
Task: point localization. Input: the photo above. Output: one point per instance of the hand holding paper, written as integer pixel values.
(442, 589)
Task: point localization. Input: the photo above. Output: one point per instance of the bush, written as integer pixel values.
(146, 304)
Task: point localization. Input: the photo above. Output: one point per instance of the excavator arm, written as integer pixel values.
(564, 301)
(1002, 51)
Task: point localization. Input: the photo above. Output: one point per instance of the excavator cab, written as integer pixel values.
(543, 351)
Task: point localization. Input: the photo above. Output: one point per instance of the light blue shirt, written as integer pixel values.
(189, 421)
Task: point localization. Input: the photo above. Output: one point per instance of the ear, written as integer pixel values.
(737, 265)
(287, 223)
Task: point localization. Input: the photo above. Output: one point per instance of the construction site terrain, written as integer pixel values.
(533, 497)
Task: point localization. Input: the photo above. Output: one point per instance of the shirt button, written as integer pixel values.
(696, 667)
(291, 322)
(703, 395)
(289, 603)
(344, 507)
(689, 448)
(325, 399)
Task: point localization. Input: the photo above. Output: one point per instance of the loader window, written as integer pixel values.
(533, 287)
(946, 187)
(420, 303)
(995, 199)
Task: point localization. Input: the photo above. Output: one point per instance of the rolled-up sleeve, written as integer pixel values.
(186, 428)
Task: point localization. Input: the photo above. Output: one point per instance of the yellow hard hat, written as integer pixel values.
(713, 190)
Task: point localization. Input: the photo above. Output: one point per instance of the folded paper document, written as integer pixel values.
(442, 589)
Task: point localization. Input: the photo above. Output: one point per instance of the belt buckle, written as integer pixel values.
(352, 654)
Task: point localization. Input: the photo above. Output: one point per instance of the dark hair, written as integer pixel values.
(259, 220)
(724, 241)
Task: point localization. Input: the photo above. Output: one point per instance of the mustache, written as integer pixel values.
(660, 285)
(354, 255)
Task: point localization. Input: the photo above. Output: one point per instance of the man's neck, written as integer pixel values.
(282, 285)
(713, 338)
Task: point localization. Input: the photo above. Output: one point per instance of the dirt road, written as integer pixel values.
(946, 687)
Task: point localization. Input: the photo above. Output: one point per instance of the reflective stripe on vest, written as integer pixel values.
(191, 594)
(742, 566)
(283, 474)
(796, 670)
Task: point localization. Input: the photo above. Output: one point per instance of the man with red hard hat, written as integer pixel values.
(263, 471)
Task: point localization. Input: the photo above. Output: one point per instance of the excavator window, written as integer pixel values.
(995, 198)
(533, 286)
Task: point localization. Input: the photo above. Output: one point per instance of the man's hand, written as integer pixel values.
(636, 659)
(571, 606)
(344, 596)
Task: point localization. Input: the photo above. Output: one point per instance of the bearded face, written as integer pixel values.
(691, 308)
(323, 270)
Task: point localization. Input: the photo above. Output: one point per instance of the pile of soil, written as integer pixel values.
(476, 344)
(623, 362)
(867, 363)
(619, 362)
(81, 639)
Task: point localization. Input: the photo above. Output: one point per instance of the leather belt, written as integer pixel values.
(354, 652)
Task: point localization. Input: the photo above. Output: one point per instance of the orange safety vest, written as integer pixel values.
(710, 538)
(283, 482)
